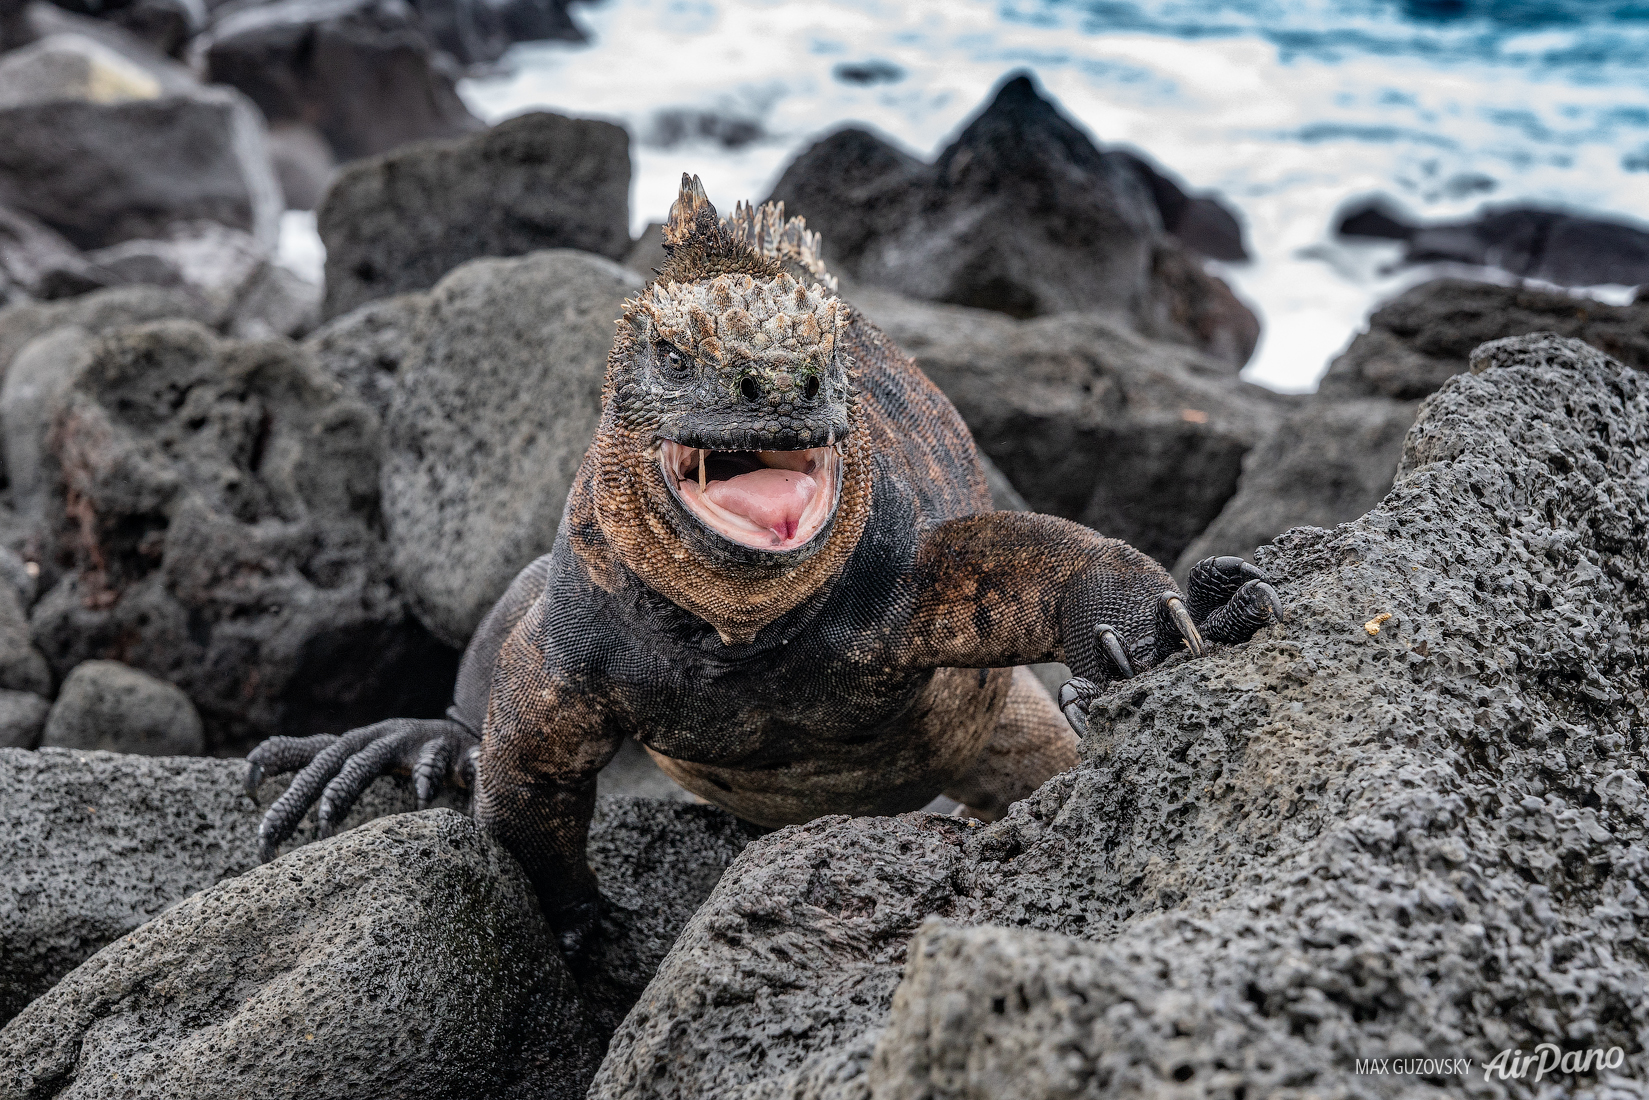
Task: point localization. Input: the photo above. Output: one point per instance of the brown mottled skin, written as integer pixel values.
(863, 673)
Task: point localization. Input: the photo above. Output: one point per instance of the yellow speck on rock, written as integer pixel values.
(1373, 625)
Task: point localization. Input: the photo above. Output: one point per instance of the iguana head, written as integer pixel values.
(730, 425)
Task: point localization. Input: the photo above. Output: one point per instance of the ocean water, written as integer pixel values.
(1287, 107)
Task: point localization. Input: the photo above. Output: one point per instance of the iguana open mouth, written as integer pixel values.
(767, 500)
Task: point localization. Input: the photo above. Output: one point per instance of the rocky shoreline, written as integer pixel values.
(1409, 822)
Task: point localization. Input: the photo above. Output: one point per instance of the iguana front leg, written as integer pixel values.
(546, 737)
(1011, 588)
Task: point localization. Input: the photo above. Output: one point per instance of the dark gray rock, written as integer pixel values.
(113, 707)
(492, 415)
(22, 666)
(1139, 439)
(71, 66)
(38, 263)
(302, 977)
(1202, 223)
(97, 313)
(1423, 337)
(363, 73)
(26, 22)
(1324, 465)
(366, 347)
(22, 720)
(217, 517)
(1408, 822)
(1021, 214)
(478, 31)
(97, 843)
(1555, 246)
(102, 173)
(400, 222)
(164, 25)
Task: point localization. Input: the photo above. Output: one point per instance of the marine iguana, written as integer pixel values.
(779, 570)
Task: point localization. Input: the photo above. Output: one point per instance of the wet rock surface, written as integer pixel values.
(400, 222)
(1142, 440)
(493, 412)
(1022, 214)
(217, 520)
(1410, 821)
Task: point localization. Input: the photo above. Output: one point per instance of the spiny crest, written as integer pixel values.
(765, 229)
(690, 215)
(779, 322)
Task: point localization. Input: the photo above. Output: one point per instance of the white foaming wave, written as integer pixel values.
(1286, 135)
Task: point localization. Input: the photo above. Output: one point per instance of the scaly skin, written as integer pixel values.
(863, 672)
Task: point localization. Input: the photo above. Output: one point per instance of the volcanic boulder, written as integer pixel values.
(1407, 822)
(1021, 214)
(108, 705)
(493, 411)
(400, 222)
(216, 511)
(1142, 440)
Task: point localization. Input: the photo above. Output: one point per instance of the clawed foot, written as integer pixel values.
(1227, 600)
(334, 770)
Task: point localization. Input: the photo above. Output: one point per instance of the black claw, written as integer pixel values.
(267, 847)
(1108, 643)
(1255, 605)
(1174, 619)
(1074, 698)
(1213, 581)
(254, 778)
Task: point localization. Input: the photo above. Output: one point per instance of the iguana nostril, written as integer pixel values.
(811, 390)
(750, 390)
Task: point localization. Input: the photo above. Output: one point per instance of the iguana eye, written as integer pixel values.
(674, 359)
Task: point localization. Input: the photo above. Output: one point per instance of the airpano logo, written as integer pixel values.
(1548, 1058)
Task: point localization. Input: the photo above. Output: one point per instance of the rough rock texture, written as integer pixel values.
(110, 706)
(1141, 440)
(1325, 464)
(364, 73)
(400, 222)
(365, 348)
(1423, 337)
(97, 843)
(1425, 836)
(22, 720)
(217, 511)
(102, 173)
(405, 957)
(492, 416)
(1334, 459)
(1555, 246)
(97, 313)
(1021, 214)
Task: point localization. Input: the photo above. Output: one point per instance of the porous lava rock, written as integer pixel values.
(1408, 822)
(492, 414)
(366, 347)
(108, 705)
(1142, 440)
(216, 514)
(1334, 458)
(97, 843)
(399, 222)
(103, 843)
(406, 956)
(1424, 336)
(1022, 214)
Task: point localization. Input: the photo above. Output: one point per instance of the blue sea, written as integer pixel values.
(1286, 107)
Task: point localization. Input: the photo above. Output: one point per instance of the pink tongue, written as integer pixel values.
(774, 499)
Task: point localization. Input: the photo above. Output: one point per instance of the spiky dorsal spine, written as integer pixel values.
(768, 233)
